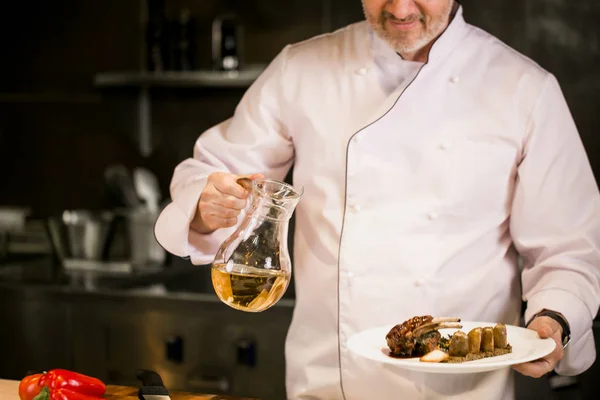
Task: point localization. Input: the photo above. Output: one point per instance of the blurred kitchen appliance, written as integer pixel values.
(120, 187)
(227, 43)
(86, 234)
(12, 220)
(144, 250)
(120, 241)
(147, 188)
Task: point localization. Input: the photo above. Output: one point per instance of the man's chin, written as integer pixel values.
(405, 46)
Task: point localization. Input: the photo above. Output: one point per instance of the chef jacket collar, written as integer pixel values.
(442, 47)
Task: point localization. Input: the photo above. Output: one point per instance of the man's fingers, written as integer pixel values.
(545, 331)
(214, 222)
(545, 327)
(227, 183)
(534, 369)
(227, 201)
(542, 366)
(219, 211)
(230, 187)
(221, 201)
(213, 196)
(251, 176)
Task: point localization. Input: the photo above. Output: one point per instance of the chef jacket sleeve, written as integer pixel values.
(555, 225)
(254, 140)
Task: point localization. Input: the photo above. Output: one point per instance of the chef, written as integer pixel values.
(431, 154)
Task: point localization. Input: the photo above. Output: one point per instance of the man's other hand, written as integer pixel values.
(546, 327)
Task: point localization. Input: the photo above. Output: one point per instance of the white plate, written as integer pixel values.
(526, 346)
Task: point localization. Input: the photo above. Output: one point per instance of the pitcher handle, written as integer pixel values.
(246, 183)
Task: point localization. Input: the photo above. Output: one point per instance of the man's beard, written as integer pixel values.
(408, 42)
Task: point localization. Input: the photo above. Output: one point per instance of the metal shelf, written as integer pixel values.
(220, 79)
(171, 79)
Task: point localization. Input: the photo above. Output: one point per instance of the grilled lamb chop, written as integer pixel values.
(400, 338)
(427, 342)
(418, 336)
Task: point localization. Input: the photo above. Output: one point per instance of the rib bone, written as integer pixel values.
(432, 326)
(445, 319)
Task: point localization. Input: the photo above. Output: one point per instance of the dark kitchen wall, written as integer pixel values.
(58, 132)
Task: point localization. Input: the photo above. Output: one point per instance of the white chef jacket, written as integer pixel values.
(422, 182)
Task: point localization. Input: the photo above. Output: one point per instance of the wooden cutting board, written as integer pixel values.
(9, 390)
(130, 393)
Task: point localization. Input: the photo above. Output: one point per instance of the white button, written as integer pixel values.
(355, 208)
(362, 71)
(420, 282)
(455, 79)
(433, 215)
(350, 279)
(446, 145)
(356, 139)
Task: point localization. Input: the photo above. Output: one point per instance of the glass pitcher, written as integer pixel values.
(252, 268)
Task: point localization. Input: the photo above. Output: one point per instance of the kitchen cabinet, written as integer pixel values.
(34, 335)
(201, 347)
(194, 342)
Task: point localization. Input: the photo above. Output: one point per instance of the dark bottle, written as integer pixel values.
(227, 46)
(184, 34)
(157, 33)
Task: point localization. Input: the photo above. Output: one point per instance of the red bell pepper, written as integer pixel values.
(73, 381)
(61, 382)
(62, 394)
(29, 387)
